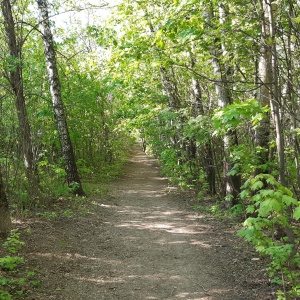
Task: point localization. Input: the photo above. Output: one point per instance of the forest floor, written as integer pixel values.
(142, 241)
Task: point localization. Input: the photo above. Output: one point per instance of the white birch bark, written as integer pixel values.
(275, 99)
(73, 179)
(198, 109)
(264, 82)
(221, 71)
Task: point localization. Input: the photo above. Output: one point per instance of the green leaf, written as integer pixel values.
(160, 44)
(269, 205)
(289, 200)
(232, 172)
(296, 213)
(257, 185)
(250, 209)
(246, 184)
(186, 34)
(266, 193)
(285, 191)
(246, 233)
(271, 180)
(170, 23)
(244, 194)
(296, 20)
(249, 222)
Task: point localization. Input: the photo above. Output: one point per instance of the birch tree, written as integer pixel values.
(222, 73)
(198, 110)
(72, 174)
(269, 94)
(264, 79)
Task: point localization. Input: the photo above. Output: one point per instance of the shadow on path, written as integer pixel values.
(143, 244)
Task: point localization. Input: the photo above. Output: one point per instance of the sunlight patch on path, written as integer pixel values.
(172, 227)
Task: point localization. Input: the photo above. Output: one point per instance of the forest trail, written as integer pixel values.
(143, 243)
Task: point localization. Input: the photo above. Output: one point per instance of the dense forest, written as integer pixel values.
(210, 87)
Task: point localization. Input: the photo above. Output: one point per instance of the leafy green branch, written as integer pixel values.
(273, 213)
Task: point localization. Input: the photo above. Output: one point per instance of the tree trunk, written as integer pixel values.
(170, 88)
(275, 99)
(274, 103)
(73, 178)
(5, 221)
(264, 81)
(16, 82)
(207, 159)
(232, 183)
(291, 96)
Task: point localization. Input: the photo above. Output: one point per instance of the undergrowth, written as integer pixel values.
(271, 224)
(68, 207)
(14, 278)
(272, 227)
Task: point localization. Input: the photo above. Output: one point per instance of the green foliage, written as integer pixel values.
(199, 128)
(213, 210)
(12, 281)
(93, 117)
(13, 242)
(274, 208)
(52, 215)
(236, 211)
(10, 262)
(296, 214)
(71, 206)
(5, 295)
(112, 90)
(235, 115)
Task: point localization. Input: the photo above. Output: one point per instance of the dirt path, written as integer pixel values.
(142, 244)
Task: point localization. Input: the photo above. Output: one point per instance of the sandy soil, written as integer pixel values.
(143, 242)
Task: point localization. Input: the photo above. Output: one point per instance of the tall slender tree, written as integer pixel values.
(72, 174)
(275, 99)
(269, 19)
(14, 76)
(198, 110)
(222, 72)
(264, 81)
